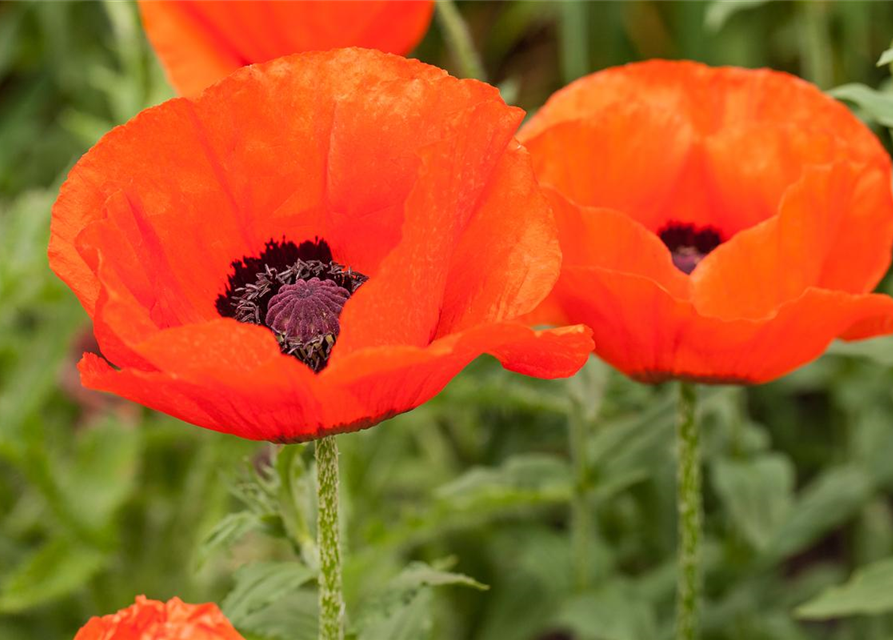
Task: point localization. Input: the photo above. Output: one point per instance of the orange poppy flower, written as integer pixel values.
(717, 224)
(313, 245)
(201, 42)
(172, 620)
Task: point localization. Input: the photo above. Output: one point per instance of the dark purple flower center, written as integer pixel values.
(297, 292)
(689, 244)
(306, 309)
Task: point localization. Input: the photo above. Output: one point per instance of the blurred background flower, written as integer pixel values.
(172, 620)
(200, 43)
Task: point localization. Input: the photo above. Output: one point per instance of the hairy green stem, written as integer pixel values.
(688, 492)
(581, 519)
(459, 40)
(331, 600)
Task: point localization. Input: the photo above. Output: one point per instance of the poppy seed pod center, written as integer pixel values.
(689, 244)
(297, 292)
(306, 309)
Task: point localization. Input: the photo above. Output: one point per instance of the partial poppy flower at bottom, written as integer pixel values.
(311, 246)
(172, 620)
(202, 41)
(718, 224)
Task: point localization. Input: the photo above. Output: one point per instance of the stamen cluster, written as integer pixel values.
(300, 303)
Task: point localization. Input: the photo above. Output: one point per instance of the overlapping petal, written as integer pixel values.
(201, 42)
(172, 620)
(411, 176)
(797, 188)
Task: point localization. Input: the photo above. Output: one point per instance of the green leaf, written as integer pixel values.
(613, 612)
(829, 501)
(521, 480)
(886, 58)
(227, 532)
(260, 584)
(406, 619)
(403, 610)
(292, 617)
(876, 106)
(55, 570)
(104, 472)
(419, 574)
(757, 494)
(868, 592)
(719, 11)
(625, 450)
(297, 501)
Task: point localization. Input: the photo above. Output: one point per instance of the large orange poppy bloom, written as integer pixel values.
(172, 620)
(313, 245)
(200, 42)
(717, 224)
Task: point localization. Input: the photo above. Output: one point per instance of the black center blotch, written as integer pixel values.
(689, 244)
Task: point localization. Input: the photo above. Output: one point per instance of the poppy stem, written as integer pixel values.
(458, 38)
(688, 492)
(331, 600)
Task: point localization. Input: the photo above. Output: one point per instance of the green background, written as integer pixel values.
(101, 500)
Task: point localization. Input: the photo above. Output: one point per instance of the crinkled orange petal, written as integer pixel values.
(274, 401)
(749, 167)
(402, 303)
(134, 164)
(172, 620)
(390, 380)
(834, 230)
(628, 158)
(600, 237)
(200, 43)
(430, 167)
(711, 99)
(648, 334)
(520, 259)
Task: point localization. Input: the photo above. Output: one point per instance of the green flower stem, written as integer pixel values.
(331, 600)
(581, 519)
(688, 492)
(459, 40)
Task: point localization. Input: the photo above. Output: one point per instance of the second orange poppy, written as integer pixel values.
(717, 224)
(200, 43)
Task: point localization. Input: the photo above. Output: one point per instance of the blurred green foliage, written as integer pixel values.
(101, 500)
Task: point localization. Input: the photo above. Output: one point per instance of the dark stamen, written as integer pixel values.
(297, 292)
(689, 244)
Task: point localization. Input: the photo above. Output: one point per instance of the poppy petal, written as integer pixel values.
(194, 57)
(171, 620)
(630, 158)
(132, 163)
(270, 402)
(834, 230)
(200, 43)
(599, 237)
(711, 99)
(385, 381)
(650, 335)
(402, 303)
(749, 168)
(522, 259)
